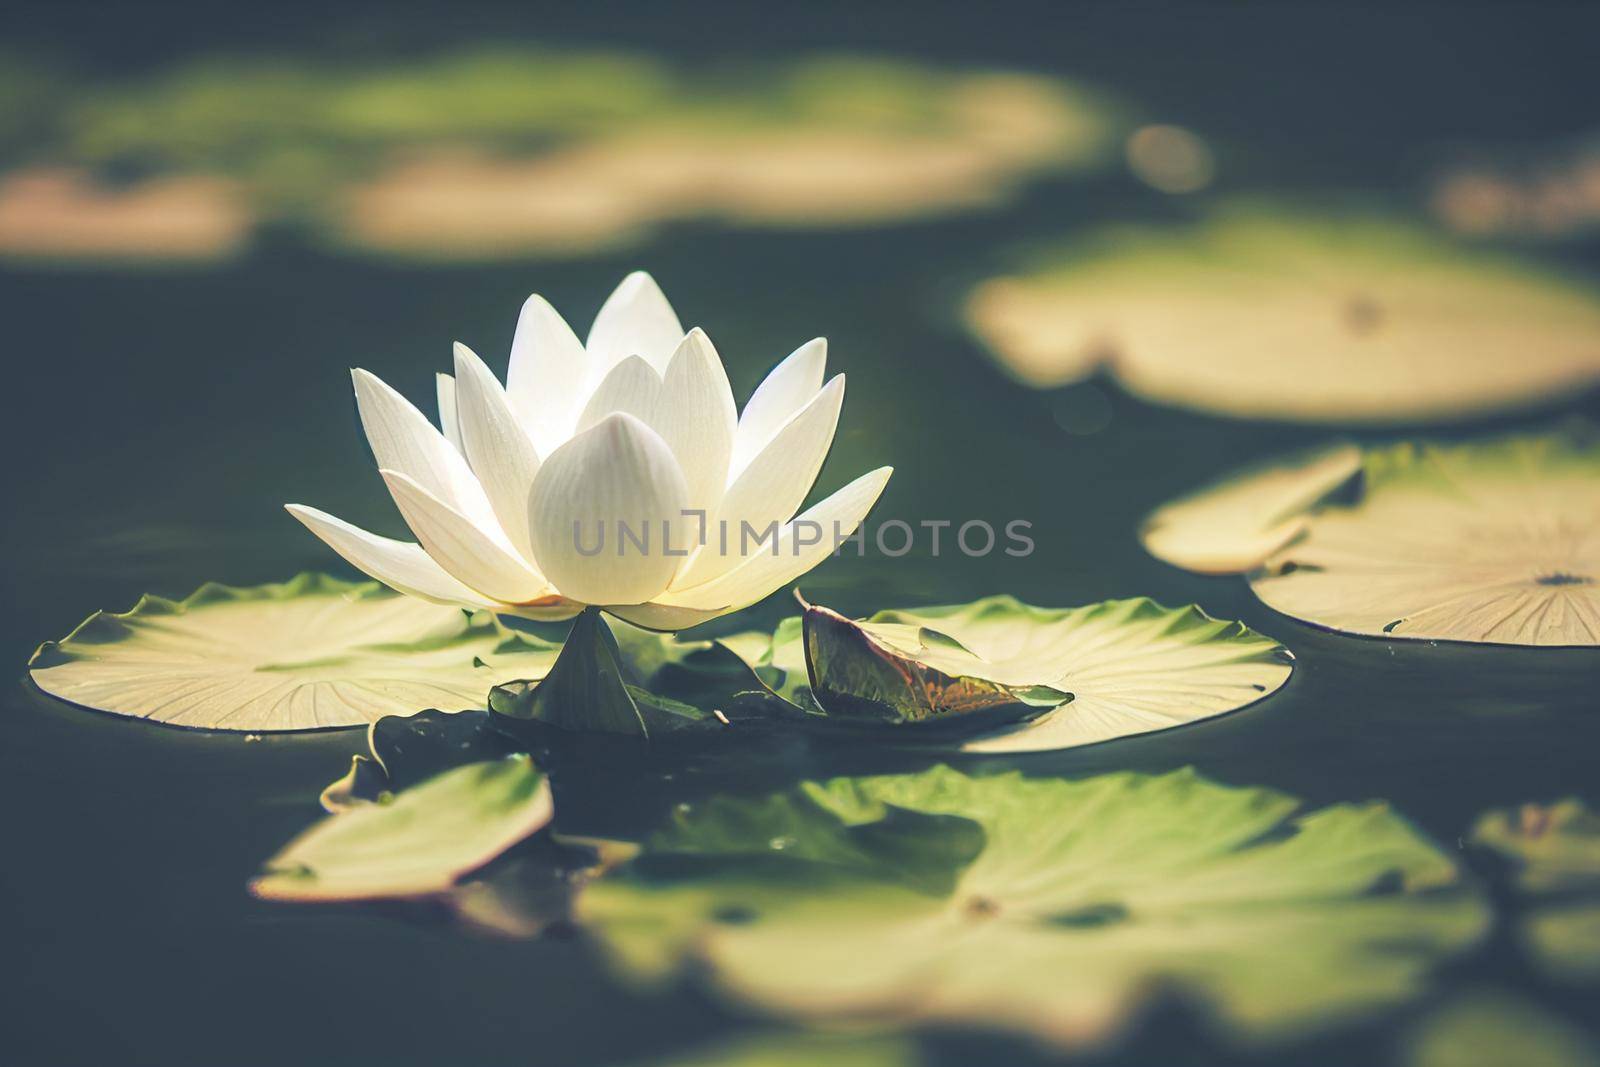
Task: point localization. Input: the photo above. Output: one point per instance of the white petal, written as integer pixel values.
(620, 473)
(403, 440)
(401, 565)
(636, 320)
(788, 388)
(548, 374)
(828, 522)
(462, 548)
(696, 417)
(773, 485)
(502, 457)
(632, 387)
(445, 389)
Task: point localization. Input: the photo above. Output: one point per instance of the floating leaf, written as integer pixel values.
(859, 899)
(1495, 542)
(1492, 1029)
(417, 843)
(1130, 666)
(1263, 313)
(1235, 524)
(310, 653)
(1556, 853)
(514, 150)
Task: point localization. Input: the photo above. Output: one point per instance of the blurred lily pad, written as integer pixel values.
(416, 843)
(1129, 666)
(1059, 911)
(515, 150)
(1486, 1028)
(1495, 541)
(1261, 312)
(310, 653)
(1555, 851)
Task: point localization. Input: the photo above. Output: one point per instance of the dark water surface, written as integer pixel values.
(157, 420)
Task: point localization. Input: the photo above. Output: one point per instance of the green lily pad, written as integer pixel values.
(1496, 541)
(310, 653)
(1555, 851)
(1057, 911)
(417, 843)
(1486, 1028)
(1264, 312)
(1130, 666)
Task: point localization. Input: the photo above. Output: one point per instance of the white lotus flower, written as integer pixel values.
(636, 428)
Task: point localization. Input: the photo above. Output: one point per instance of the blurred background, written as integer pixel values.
(1379, 218)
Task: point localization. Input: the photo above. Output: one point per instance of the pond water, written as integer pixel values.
(159, 418)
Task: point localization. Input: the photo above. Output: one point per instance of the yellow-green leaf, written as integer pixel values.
(416, 843)
(310, 653)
